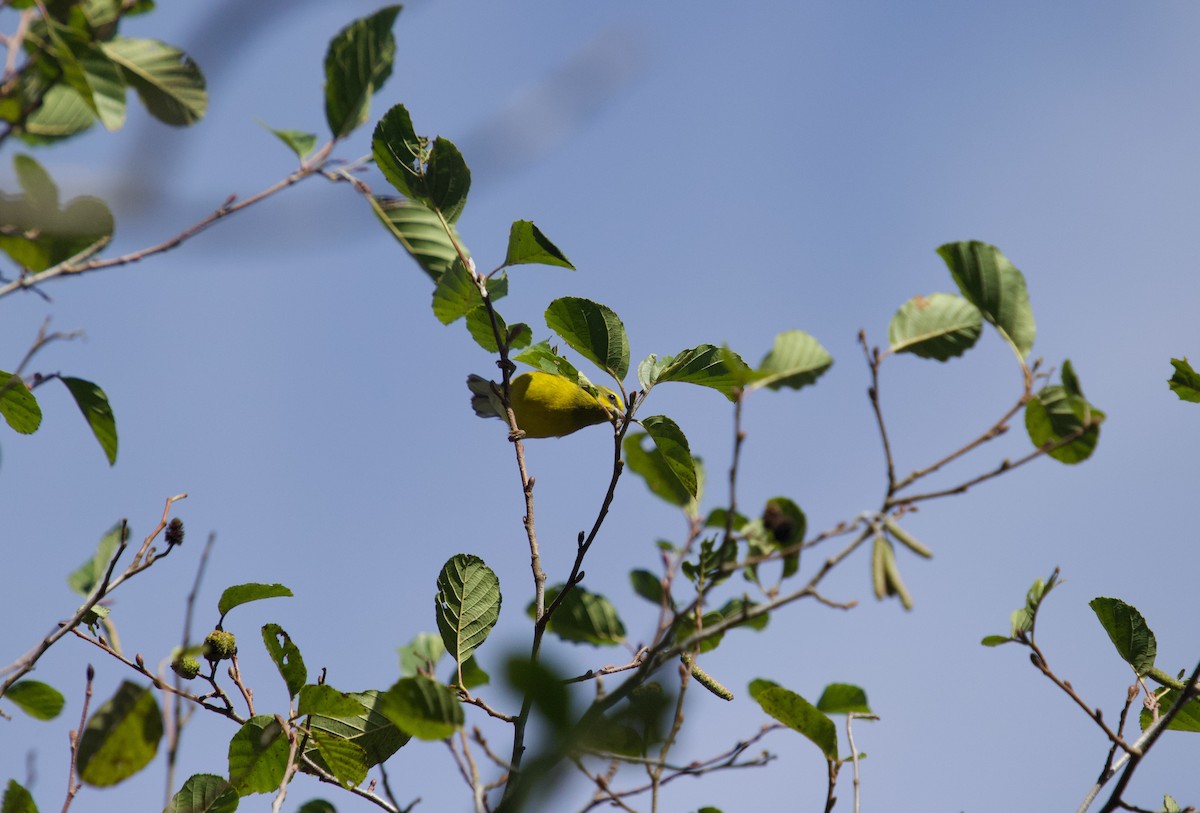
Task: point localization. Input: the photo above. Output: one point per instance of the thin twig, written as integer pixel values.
(73, 783)
(71, 267)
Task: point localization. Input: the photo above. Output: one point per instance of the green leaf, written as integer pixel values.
(479, 325)
(593, 331)
(939, 326)
(63, 113)
(88, 73)
(843, 698)
(541, 356)
(39, 233)
(1129, 632)
(420, 232)
(672, 447)
(647, 585)
(328, 701)
(40, 701)
(121, 737)
(369, 729)
(286, 656)
(527, 244)
(345, 760)
(706, 365)
(358, 62)
(786, 525)
(1188, 718)
(245, 593)
(472, 675)
(795, 361)
(993, 284)
(456, 293)
(1053, 414)
(421, 655)
(401, 154)
(651, 466)
(1023, 619)
(584, 618)
(18, 406)
(995, 640)
(447, 178)
(799, 715)
(85, 578)
(317, 806)
(258, 756)
(17, 799)
(93, 403)
(1185, 382)
(298, 141)
(166, 79)
(423, 708)
(467, 604)
(204, 793)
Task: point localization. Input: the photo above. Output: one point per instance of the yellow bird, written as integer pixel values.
(547, 405)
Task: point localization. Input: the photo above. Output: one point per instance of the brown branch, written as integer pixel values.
(73, 783)
(1039, 660)
(873, 358)
(312, 166)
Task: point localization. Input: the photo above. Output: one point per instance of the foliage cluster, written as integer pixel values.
(734, 568)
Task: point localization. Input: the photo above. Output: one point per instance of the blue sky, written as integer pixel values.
(718, 175)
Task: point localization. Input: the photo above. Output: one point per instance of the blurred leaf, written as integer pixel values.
(939, 326)
(40, 701)
(843, 698)
(584, 618)
(706, 365)
(86, 71)
(240, 594)
(1188, 718)
(593, 331)
(63, 113)
(467, 604)
(121, 737)
(358, 62)
(342, 758)
(317, 806)
(1185, 382)
(166, 79)
(647, 585)
(420, 232)
(1128, 631)
(527, 244)
(258, 756)
(1053, 414)
(93, 403)
(994, 285)
(799, 715)
(795, 361)
(39, 234)
(369, 729)
(298, 141)
(603, 735)
(204, 793)
(17, 799)
(85, 578)
(995, 640)
(423, 708)
(421, 655)
(735, 610)
(286, 656)
(18, 406)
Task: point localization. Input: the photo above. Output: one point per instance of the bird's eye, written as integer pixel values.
(612, 397)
